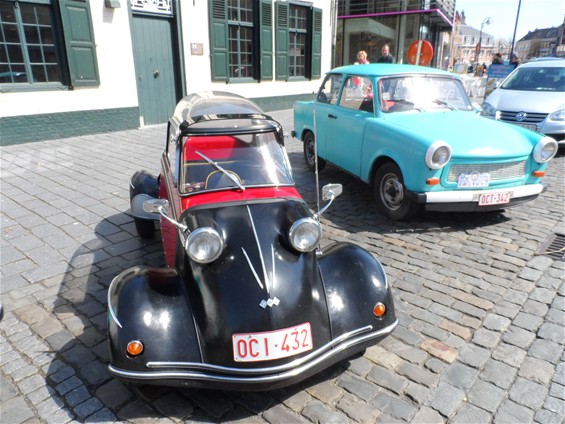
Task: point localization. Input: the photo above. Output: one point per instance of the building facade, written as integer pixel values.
(541, 42)
(71, 67)
(369, 24)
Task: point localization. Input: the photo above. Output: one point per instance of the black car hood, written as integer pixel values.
(258, 284)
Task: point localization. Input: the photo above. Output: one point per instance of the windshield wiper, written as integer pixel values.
(222, 170)
(444, 103)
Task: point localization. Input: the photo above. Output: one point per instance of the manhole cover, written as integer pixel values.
(554, 247)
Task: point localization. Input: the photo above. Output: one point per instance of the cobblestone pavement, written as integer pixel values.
(481, 335)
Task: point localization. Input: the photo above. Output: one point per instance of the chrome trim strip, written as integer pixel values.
(109, 300)
(273, 263)
(252, 268)
(289, 370)
(259, 248)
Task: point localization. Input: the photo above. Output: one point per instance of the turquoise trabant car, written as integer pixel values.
(413, 134)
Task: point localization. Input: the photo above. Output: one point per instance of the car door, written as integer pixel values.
(347, 123)
(325, 104)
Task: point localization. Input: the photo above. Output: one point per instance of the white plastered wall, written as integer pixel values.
(195, 24)
(115, 65)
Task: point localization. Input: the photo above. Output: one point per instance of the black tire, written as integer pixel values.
(145, 228)
(309, 157)
(390, 193)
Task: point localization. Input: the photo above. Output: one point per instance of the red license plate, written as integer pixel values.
(269, 345)
(494, 198)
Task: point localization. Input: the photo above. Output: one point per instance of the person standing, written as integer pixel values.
(361, 58)
(386, 57)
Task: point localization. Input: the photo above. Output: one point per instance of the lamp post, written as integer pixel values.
(487, 21)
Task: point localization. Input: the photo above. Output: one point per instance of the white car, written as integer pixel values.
(532, 96)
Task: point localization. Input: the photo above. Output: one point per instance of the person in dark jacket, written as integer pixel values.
(386, 57)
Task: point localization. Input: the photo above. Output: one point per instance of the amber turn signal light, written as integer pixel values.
(134, 348)
(379, 310)
(432, 181)
(538, 174)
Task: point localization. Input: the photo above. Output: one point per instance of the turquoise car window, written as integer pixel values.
(329, 90)
(357, 94)
(422, 94)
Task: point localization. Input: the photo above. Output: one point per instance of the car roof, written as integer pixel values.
(547, 62)
(385, 69)
(219, 112)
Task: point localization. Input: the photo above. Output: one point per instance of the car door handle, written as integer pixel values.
(332, 116)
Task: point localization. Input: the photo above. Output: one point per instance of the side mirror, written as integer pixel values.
(156, 206)
(331, 191)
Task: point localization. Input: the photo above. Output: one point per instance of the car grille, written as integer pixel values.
(497, 171)
(530, 118)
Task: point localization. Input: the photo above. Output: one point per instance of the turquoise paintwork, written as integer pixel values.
(355, 140)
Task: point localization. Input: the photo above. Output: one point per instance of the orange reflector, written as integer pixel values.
(432, 181)
(135, 348)
(538, 174)
(379, 309)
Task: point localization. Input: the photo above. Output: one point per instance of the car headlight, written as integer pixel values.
(438, 154)
(488, 110)
(305, 234)
(557, 116)
(545, 149)
(204, 245)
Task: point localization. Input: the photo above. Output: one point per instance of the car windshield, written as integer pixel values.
(536, 79)
(422, 94)
(220, 162)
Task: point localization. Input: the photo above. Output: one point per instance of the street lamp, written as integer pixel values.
(487, 21)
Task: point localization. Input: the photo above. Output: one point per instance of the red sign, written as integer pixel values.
(420, 52)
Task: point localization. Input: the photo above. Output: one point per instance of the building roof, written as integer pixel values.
(469, 30)
(541, 34)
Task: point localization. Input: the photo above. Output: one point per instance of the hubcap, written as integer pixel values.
(392, 192)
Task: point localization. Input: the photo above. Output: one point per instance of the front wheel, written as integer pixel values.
(390, 193)
(309, 153)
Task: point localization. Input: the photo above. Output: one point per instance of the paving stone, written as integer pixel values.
(113, 393)
(527, 321)
(439, 350)
(446, 399)
(318, 412)
(460, 376)
(552, 332)
(102, 416)
(559, 376)
(547, 417)
(474, 356)
(511, 412)
(537, 370)
(358, 386)
(360, 366)
(427, 416)
(393, 406)
(387, 379)
(356, 409)
(486, 395)
(470, 414)
(498, 373)
(496, 322)
(293, 398)
(382, 357)
(174, 406)
(528, 393)
(463, 332)
(486, 338)
(280, 414)
(518, 337)
(417, 374)
(509, 354)
(76, 396)
(435, 365)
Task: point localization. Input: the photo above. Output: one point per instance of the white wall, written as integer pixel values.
(195, 24)
(115, 64)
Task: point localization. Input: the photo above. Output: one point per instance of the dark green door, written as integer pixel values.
(153, 52)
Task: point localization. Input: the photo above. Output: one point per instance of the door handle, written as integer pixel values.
(155, 73)
(332, 116)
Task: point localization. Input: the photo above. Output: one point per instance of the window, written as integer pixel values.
(298, 41)
(329, 90)
(241, 40)
(43, 45)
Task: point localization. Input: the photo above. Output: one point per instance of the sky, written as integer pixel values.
(534, 14)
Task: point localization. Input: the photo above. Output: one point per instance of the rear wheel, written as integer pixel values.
(390, 193)
(145, 228)
(309, 153)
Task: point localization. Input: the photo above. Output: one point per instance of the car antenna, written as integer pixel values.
(316, 157)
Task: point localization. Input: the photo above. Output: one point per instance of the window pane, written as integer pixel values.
(38, 73)
(7, 13)
(10, 33)
(32, 34)
(15, 54)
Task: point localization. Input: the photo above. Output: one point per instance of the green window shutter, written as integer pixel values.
(266, 39)
(281, 40)
(316, 65)
(219, 40)
(79, 42)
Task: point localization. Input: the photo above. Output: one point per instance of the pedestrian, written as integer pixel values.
(386, 57)
(515, 62)
(497, 59)
(361, 58)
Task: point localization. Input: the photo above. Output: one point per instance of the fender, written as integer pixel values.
(143, 186)
(354, 282)
(151, 305)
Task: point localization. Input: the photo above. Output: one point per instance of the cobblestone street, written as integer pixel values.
(481, 308)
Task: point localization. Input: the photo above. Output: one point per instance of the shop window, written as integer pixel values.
(241, 33)
(46, 43)
(298, 41)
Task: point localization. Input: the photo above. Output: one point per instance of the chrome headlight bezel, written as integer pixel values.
(545, 149)
(208, 238)
(488, 110)
(432, 160)
(305, 234)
